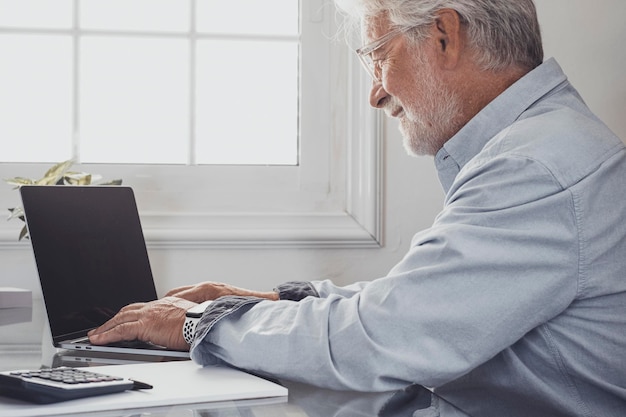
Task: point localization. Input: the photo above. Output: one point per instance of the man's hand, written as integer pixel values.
(159, 322)
(213, 290)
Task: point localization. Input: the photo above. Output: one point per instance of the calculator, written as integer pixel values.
(63, 383)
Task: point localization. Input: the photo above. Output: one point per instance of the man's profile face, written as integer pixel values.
(415, 92)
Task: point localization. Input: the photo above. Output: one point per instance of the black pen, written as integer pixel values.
(140, 385)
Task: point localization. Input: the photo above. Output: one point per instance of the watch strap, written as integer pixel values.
(192, 320)
(189, 328)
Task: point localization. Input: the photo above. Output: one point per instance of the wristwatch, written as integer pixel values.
(192, 317)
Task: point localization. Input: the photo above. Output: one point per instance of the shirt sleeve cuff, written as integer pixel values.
(296, 290)
(220, 308)
(232, 306)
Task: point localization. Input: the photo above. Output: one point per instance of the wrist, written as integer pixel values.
(270, 295)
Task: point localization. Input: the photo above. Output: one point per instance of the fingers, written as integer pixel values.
(126, 314)
(190, 294)
(159, 322)
(174, 291)
(198, 293)
(120, 332)
(213, 290)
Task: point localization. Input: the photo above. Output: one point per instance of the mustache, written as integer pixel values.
(393, 108)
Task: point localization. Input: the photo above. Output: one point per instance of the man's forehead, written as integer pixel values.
(374, 27)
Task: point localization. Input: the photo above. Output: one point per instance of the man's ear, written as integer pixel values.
(447, 33)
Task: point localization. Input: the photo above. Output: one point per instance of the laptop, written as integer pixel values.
(91, 259)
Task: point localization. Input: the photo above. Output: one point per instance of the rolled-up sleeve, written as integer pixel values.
(470, 286)
(296, 290)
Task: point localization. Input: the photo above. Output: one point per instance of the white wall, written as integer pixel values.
(587, 38)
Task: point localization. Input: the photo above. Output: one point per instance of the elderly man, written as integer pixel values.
(514, 302)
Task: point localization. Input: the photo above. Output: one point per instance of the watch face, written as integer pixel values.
(197, 311)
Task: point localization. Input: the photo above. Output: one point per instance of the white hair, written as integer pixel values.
(503, 33)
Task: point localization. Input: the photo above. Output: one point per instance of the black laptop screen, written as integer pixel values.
(90, 253)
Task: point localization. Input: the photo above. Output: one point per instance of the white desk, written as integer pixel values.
(180, 383)
(24, 345)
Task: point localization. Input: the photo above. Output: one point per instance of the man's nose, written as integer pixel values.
(378, 95)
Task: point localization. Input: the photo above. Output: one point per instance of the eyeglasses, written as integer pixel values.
(372, 66)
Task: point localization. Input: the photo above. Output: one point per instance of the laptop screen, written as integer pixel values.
(90, 254)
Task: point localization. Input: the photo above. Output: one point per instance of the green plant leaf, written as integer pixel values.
(16, 212)
(19, 181)
(112, 182)
(77, 178)
(47, 181)
(59, 169)
(54, 174)
(23, 233)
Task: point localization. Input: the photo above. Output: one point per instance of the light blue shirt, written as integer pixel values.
(512, 304)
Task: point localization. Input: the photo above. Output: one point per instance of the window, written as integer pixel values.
(145, 81)
(233, 129)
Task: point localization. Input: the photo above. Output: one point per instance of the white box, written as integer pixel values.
(15, 297)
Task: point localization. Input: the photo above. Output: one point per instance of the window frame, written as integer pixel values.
(333, 199)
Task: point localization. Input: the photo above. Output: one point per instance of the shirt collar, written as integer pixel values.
(496, 116)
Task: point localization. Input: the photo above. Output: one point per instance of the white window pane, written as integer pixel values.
(269, 17)
(134, 15)
(36, 98)
(134, 97)
(36, 13)
(247, 102)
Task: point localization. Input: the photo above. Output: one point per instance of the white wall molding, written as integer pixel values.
(257, 231)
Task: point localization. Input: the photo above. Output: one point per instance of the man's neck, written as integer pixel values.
(485, 87)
